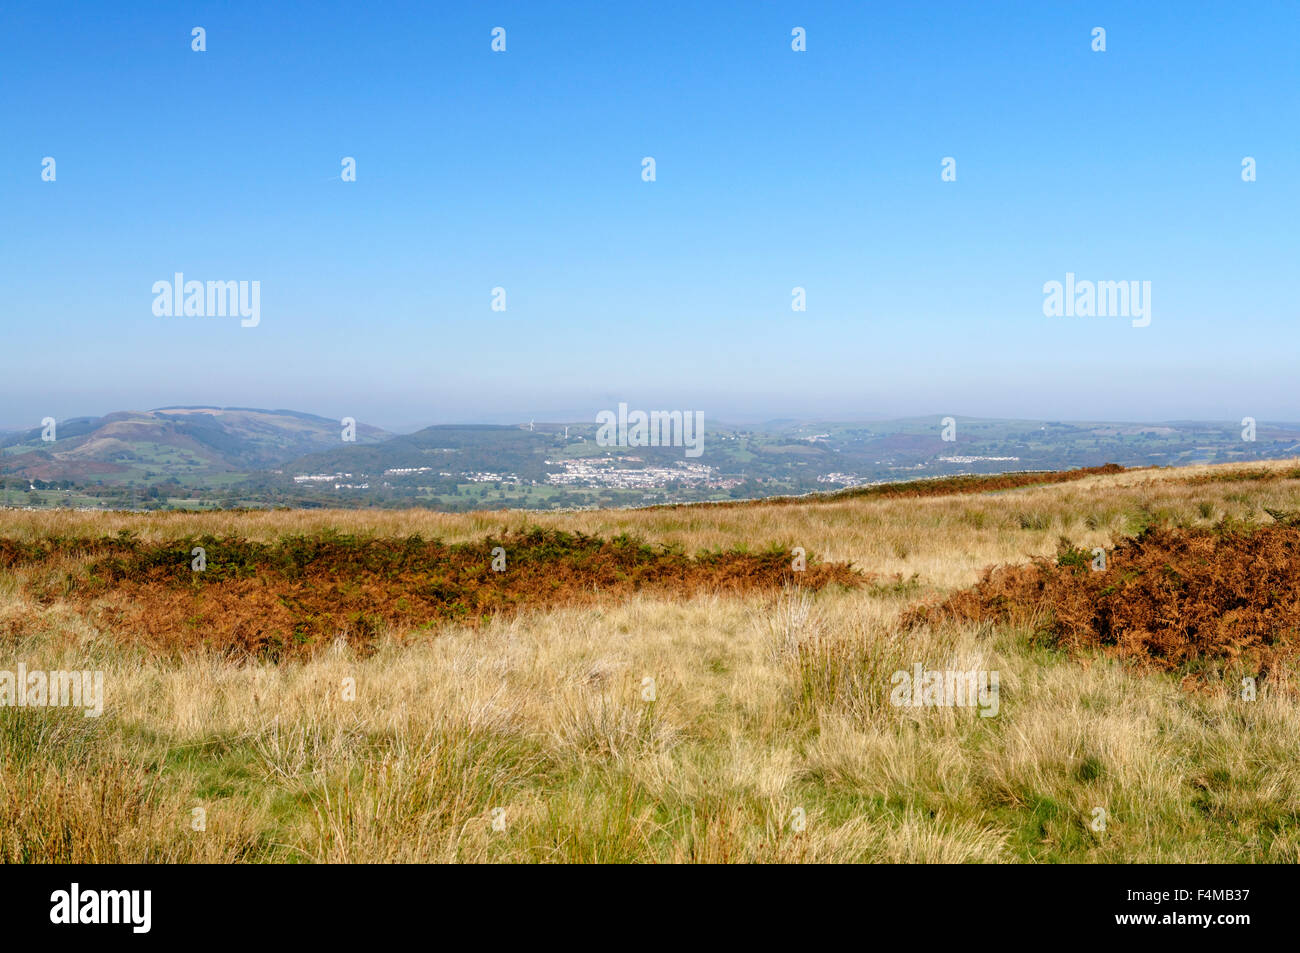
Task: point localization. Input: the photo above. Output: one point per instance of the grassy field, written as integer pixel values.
(689, 722)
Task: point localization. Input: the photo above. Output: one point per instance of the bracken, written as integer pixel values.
(1188, 600)
(297, 593)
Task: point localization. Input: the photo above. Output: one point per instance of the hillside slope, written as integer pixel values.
(175, 442)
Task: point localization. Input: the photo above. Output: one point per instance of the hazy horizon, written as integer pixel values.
(740, 419)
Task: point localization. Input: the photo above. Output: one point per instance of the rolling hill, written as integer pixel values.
(175, 442)
(462, 448)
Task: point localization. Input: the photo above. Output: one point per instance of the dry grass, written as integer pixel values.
(658, 728)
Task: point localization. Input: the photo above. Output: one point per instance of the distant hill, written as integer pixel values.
(172, 442)
(453, 447)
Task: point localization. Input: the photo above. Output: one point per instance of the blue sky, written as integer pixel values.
(775, 169)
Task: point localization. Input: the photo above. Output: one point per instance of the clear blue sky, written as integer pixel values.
(775, 169)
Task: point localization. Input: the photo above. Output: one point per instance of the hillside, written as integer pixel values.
(185, 443)
(464, 448)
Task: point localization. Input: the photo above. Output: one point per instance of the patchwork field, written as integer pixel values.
(666, 685)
